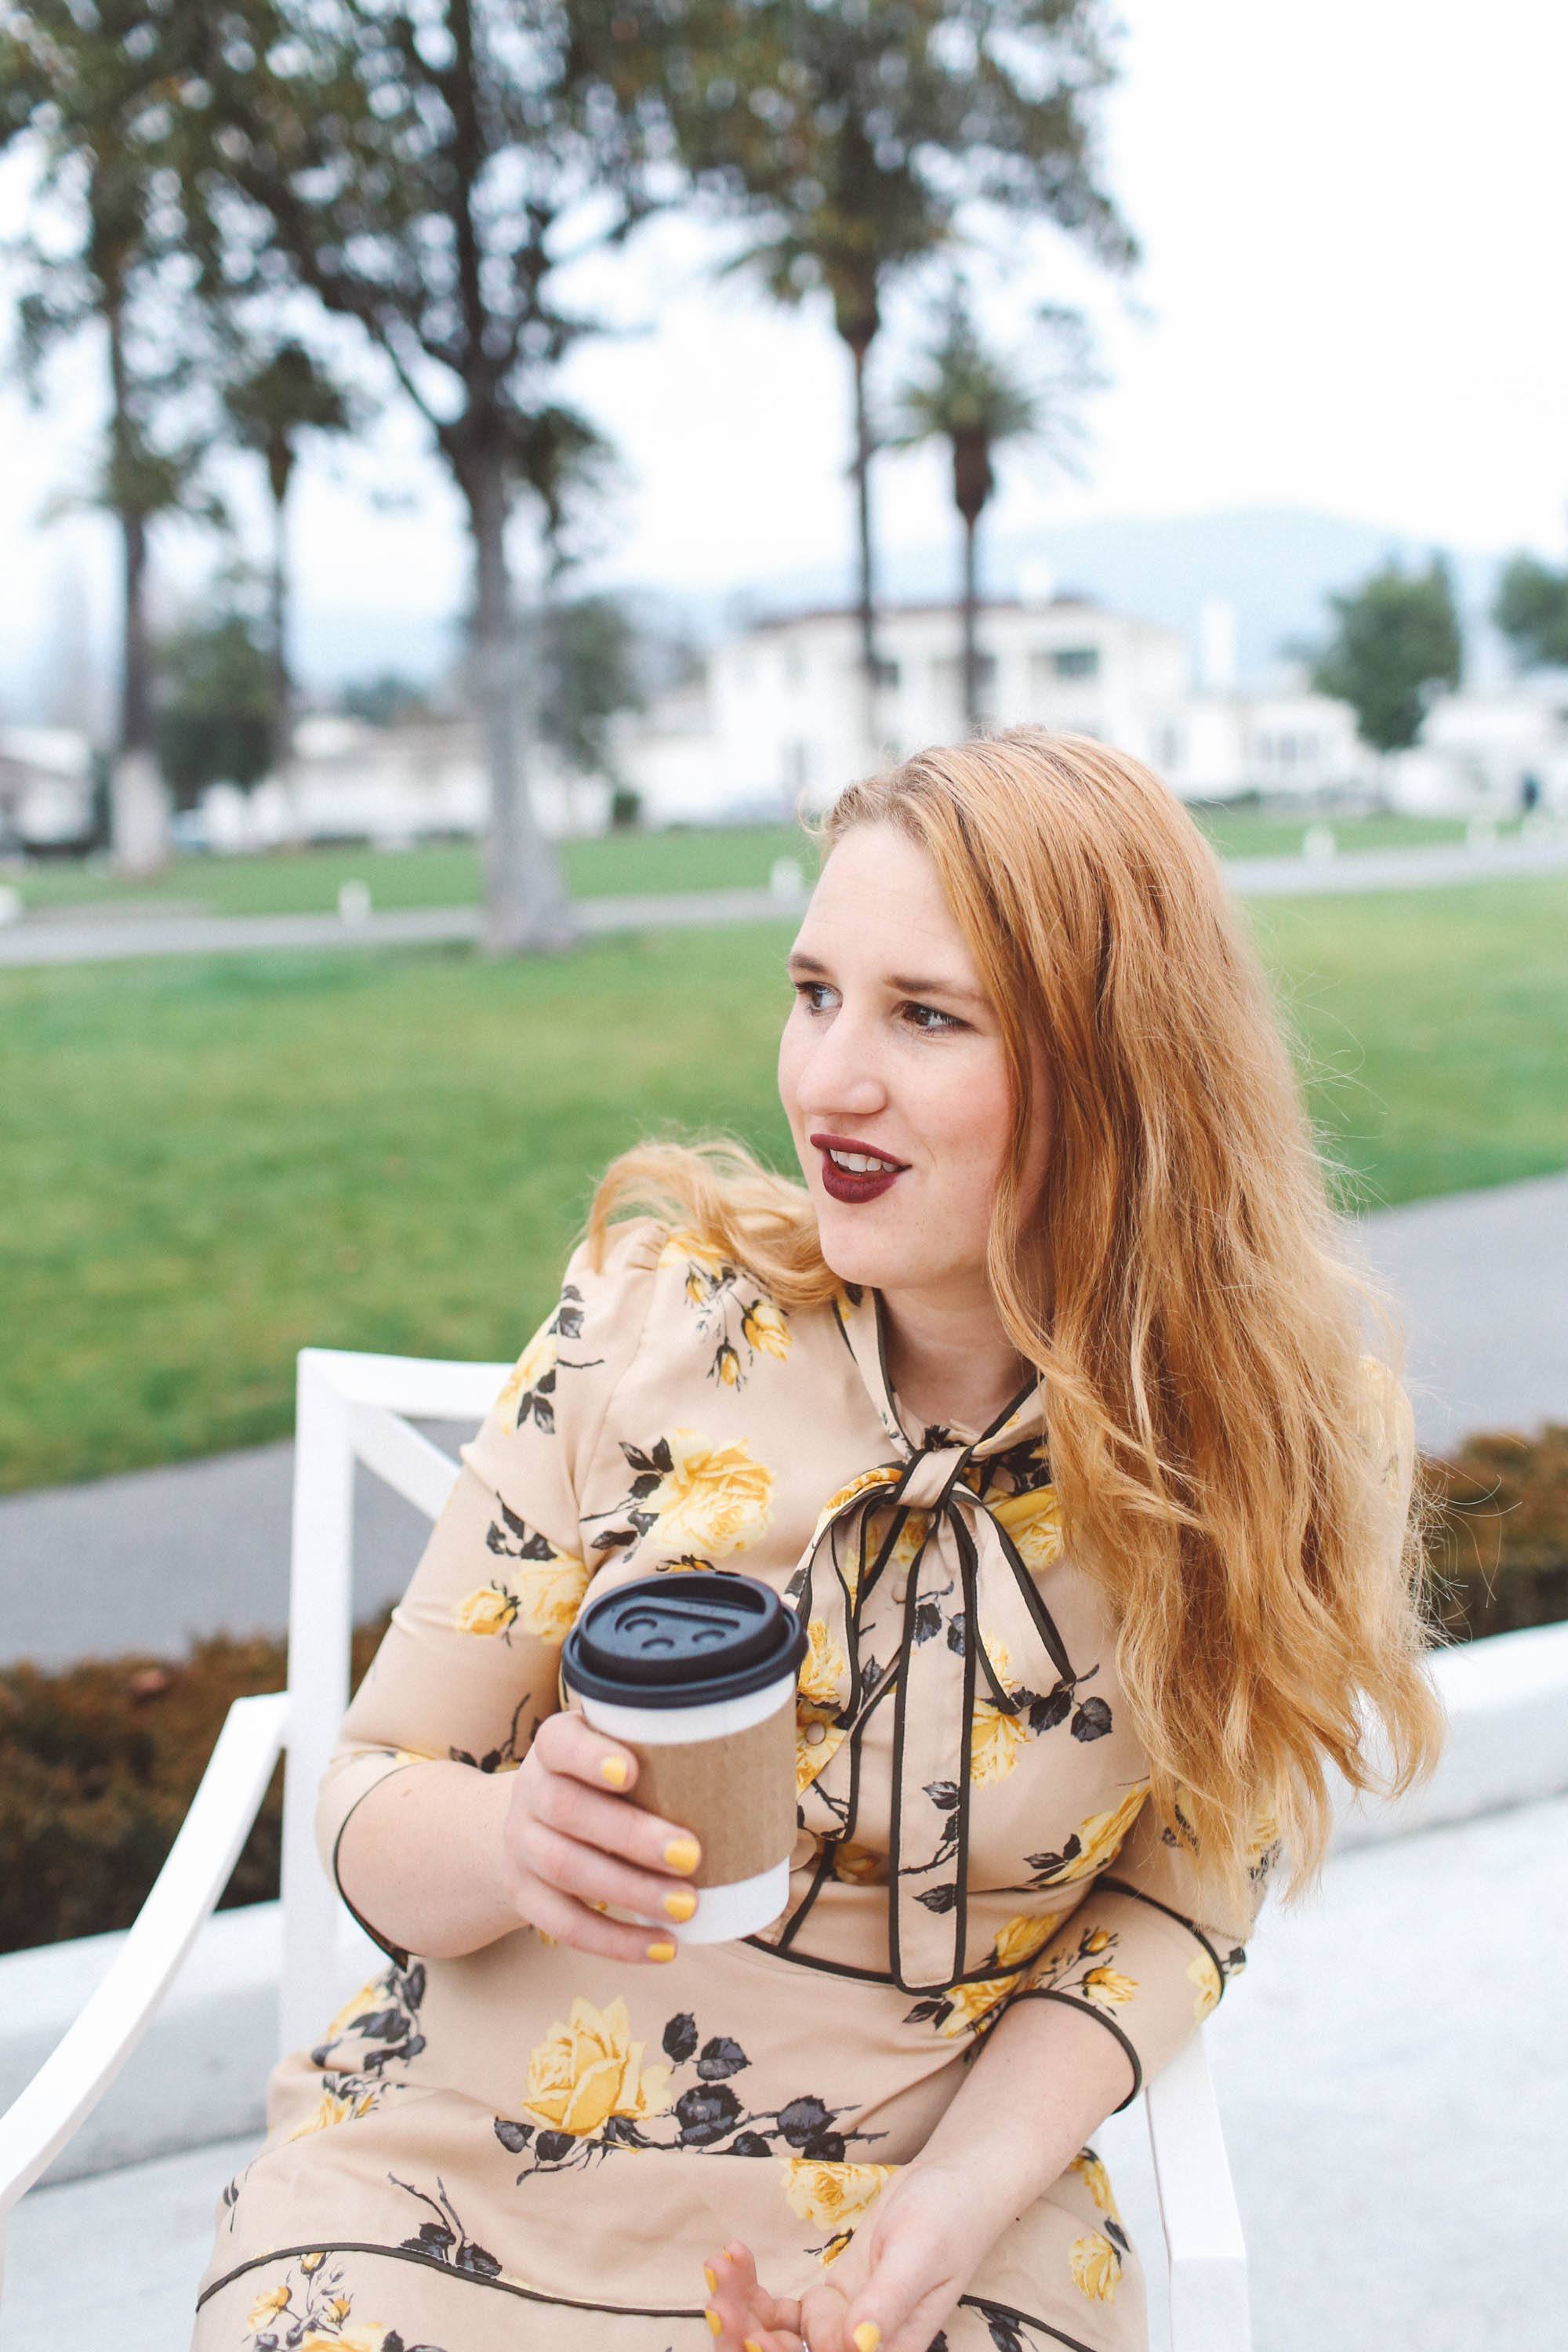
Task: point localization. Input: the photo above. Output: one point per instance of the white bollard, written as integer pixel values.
(1318, 844)
(786, 882)
(11, 906)
(353, 902)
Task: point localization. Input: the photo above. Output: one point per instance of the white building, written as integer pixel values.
(781, 715)
(45, 788)
(1491, 754)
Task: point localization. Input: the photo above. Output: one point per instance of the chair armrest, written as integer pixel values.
(89, 2055)
(1197, 2208)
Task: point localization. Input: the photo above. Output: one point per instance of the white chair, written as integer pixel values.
(357, 1408)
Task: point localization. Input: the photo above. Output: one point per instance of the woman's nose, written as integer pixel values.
(841, 1074)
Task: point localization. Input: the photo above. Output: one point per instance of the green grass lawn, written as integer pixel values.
(447, 874)
(210, 1162)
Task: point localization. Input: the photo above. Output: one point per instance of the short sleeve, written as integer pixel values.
(1144, 1953)
(467, 1670)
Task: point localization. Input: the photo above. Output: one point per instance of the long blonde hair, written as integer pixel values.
(1234, 1467)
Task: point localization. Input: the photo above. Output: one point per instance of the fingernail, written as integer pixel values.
(680, 1904)
(711, 2275)
(614, 1769)
(750, 2344)
(868, 2336)
(662, 1951)
(714, 2322)
(683, 1854)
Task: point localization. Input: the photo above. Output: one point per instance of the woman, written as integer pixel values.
(1045, 1402)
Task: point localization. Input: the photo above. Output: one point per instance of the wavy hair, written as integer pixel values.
(1236, 1468)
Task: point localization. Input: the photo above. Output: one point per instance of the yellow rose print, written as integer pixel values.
(727, 1364)
(369, 1996)
(1107, 1988)
(994, 1740)
(1099, 1838)
(590, 2069)
(860, 1865)
(1096, 2178)
(530, 1369)
(542, 1601)
(331, 2109)
(911, 1537)
(970, 2004)
(1021, 1938)
(820, 1670)
(1202, 1973)
(715, 1498)
(266, 2306)
(832, 2194)
(1096, 2267)
(369, 2337)
(811, 1756)
(311, 2264)
(765, 1328)
(490, 1610)
(857, 1486)
(1035, 1523)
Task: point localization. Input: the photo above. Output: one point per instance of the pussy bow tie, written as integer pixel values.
(967, 1636)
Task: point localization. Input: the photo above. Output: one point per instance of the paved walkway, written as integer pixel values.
(1393, 2074)
(203, 1546)
(114, 934)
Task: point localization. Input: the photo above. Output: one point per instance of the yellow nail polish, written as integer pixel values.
(683, 1854)
(662, 1951)
(867, 2337)
(711, 2277)
(714, 2322)
(681, 1904)
(750, 2344)
(614, 1769)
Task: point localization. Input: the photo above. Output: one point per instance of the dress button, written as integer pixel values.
(803, 1851)
(816, 1733)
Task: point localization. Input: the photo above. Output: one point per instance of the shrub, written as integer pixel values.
(1498, 1542)
(98, 1764)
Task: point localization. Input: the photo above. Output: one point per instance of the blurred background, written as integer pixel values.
(473, 476)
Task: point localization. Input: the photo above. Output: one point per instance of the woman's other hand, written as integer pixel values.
(892, 2289)
(572, 1843)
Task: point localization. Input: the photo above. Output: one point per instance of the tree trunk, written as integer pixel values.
(971, 628)
(138, 833)
(282, 691)
(526, 906)
(870, 652)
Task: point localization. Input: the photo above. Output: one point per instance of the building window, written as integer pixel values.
(948, 672)
(1074, 661)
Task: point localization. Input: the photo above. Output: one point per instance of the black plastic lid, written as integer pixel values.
(682, 1640)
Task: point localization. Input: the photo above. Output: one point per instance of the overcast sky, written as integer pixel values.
(1354, 219)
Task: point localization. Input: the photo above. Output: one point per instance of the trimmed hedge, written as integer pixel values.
(99, 1762)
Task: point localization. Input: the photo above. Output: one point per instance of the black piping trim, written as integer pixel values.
(395, 1952)
(1122, 1886)
(1087, 2008)
(448, 2269)
(1044, 1624)
(982, 1973)
(983, 2304)
(969, 1568)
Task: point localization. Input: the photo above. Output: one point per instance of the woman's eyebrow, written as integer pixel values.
(907, 983)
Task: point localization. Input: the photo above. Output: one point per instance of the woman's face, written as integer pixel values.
(893, 1052)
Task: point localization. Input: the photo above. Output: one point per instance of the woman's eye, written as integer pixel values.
(808, 991)
(931, 1019)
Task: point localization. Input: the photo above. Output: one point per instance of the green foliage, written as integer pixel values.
(214, 721)
(589, 672)
(1499, 1538)
(1396, 637)
(98, 1764)
(272, 397)
(384, 700)
(1531, 610)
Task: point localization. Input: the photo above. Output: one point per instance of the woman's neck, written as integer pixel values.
(950, 1362)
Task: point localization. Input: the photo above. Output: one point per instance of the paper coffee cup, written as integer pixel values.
(695, 1673)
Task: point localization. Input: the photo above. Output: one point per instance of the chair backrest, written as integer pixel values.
(349, 1408)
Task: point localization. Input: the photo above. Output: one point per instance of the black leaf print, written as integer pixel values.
(637, 1459)
(550, 2147)
(476, 2259)
(925, 2012)
(1117, 2235)
(939, 1899)
(854, 1292)
(414, 1984)
(1003, 2333)
(608, 1538)
(802, 2120)
(938, 2342)
(645, 1485)
(680, 2037)
(1048, 1712)
(434, 2237)
(1092, 1720)
(720, 2057)
(663, 1460)
(706, 2116)
(956, 1634)
(943, 1795)
(928, 1620)
(512, 2135)
(829, 2149)
(567, 1319)
(749, 2143)
(380, 2025)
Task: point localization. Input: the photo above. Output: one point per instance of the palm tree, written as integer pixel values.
(857, 137)
(975, 402)
(270, 402)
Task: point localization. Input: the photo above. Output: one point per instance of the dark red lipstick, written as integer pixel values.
(849, 1184)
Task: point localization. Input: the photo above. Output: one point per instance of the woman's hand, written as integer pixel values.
(570, 1846)
(890, 2290)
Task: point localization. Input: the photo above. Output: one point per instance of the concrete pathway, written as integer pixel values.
(111, 936)
(1392, 2070)
(203, 1546)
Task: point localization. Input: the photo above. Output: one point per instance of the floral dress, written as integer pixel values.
(530, 2146)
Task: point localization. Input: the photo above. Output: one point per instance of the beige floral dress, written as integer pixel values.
(530, 2147)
